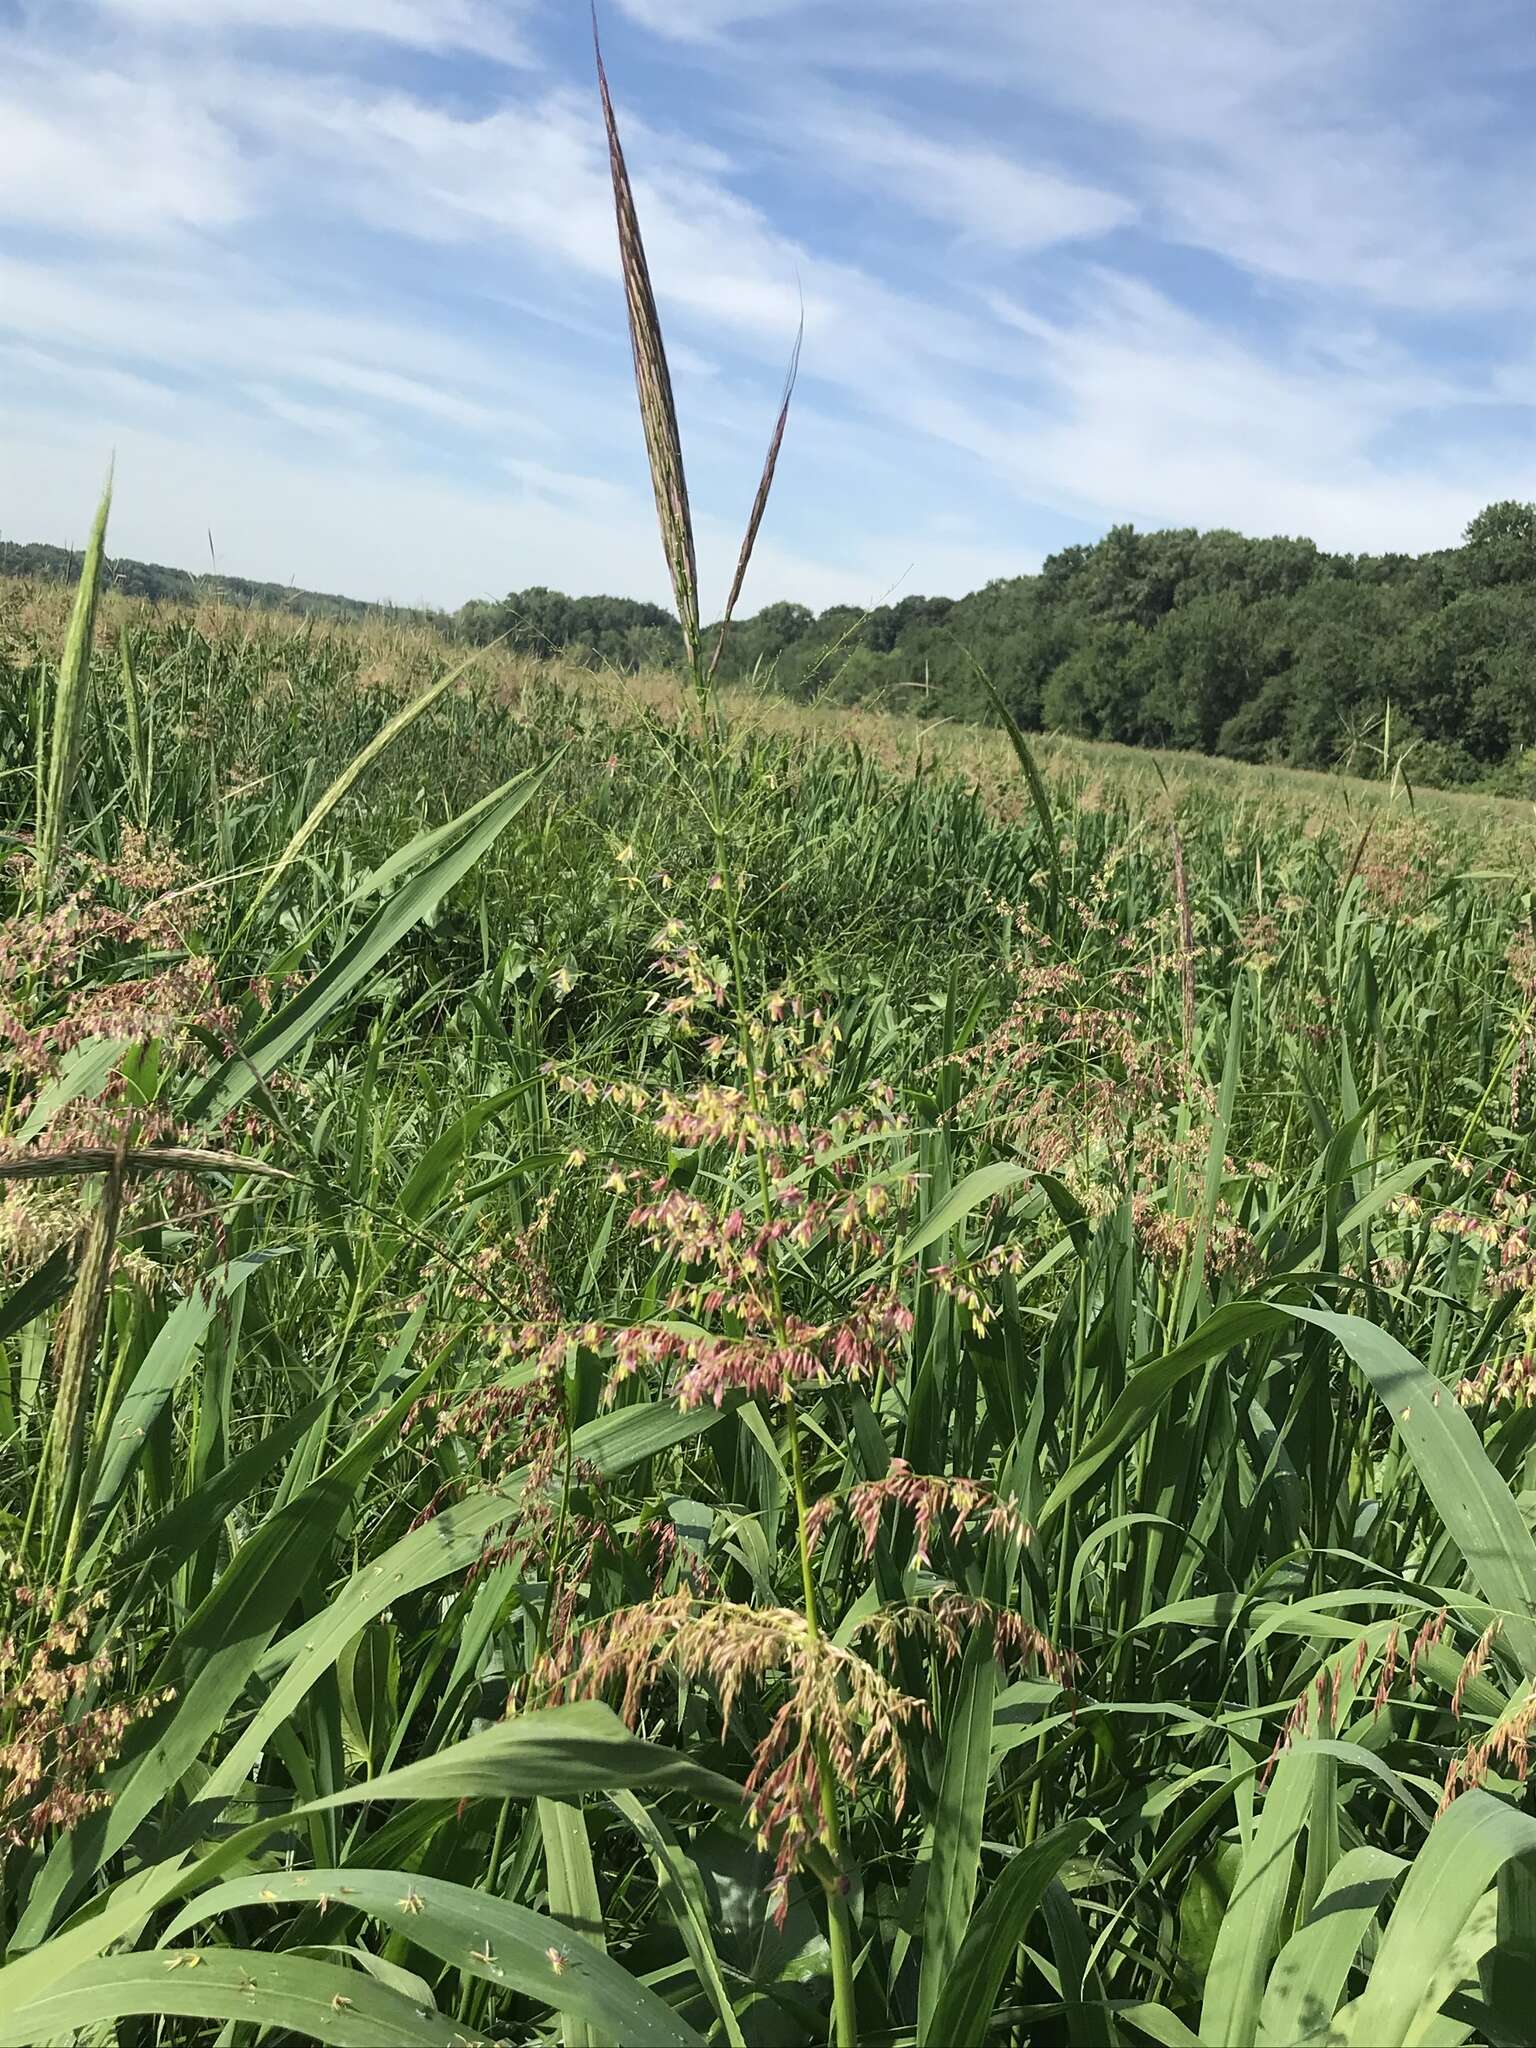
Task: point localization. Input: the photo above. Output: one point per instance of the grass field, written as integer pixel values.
(701, 1381)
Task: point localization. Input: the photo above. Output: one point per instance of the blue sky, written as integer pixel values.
(336, 279)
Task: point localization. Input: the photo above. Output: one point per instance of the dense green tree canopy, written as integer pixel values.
(1266, 650)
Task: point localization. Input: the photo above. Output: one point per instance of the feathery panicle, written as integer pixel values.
(832, 1700)
(78, 1338)
(933, 1503)
(58, 1730)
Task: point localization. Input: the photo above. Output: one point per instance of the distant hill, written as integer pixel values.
(153, 580)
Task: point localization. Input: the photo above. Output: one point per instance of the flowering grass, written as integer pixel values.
(466, 1375)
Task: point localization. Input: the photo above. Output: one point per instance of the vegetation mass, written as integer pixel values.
(1256, 650)
(1259, 650)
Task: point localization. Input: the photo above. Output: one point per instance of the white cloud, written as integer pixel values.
(1156, 417)
(1324, 146)
(365, 527)
(985, 193)
(113, 155)
(492, 28)
(209, 317)
(699, 20)
(359, 290)
(535, 172)
(350, 431)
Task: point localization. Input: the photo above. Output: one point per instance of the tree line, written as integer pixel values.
(1262, 650)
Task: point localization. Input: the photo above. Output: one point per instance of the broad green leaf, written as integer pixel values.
(164, 1366)
(1157, 2023)
(565, 1750)
(982, 1186)
(426, 845)
(956, 1854)
(484, 1936)
(161, 1547)
(357, 766)
(559, 1752)
(1467, 1847)
(38, 1292)
(1252, 1928)
(1475, 1505)
(1149, 1386)
(318, 2001)
(573, 1895)
(1306, 1985)
(428, 1176)
(682, 1893)
(81, 1077)
(210, 1665)
(967, 2000)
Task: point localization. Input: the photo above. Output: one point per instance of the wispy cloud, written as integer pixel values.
(985, 193)
(489, 27)
(118, 155)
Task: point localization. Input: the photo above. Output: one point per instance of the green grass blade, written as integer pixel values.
(1478, 1510)
(977, 1189)
(357, 767)
(317, 2001)
(1252, 1928)
(1306, 1985)
(426, 845)
(210, 1665)
(558, 1753)
(297, 1022)
(81, 1078)
(574, 1899)
(1468, 1846)
(966, 2001)
(1147, 1389)
(956, 1856)
(503, 1944)
(682, 1893)
(1039, 795)
(165, 1365)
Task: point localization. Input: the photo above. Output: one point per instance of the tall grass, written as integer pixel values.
(677, 1379)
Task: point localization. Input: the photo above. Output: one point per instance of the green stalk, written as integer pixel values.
(59, 744)
(79, 1341)
(1064, 1552)
(138, 760)
(839, 1928)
